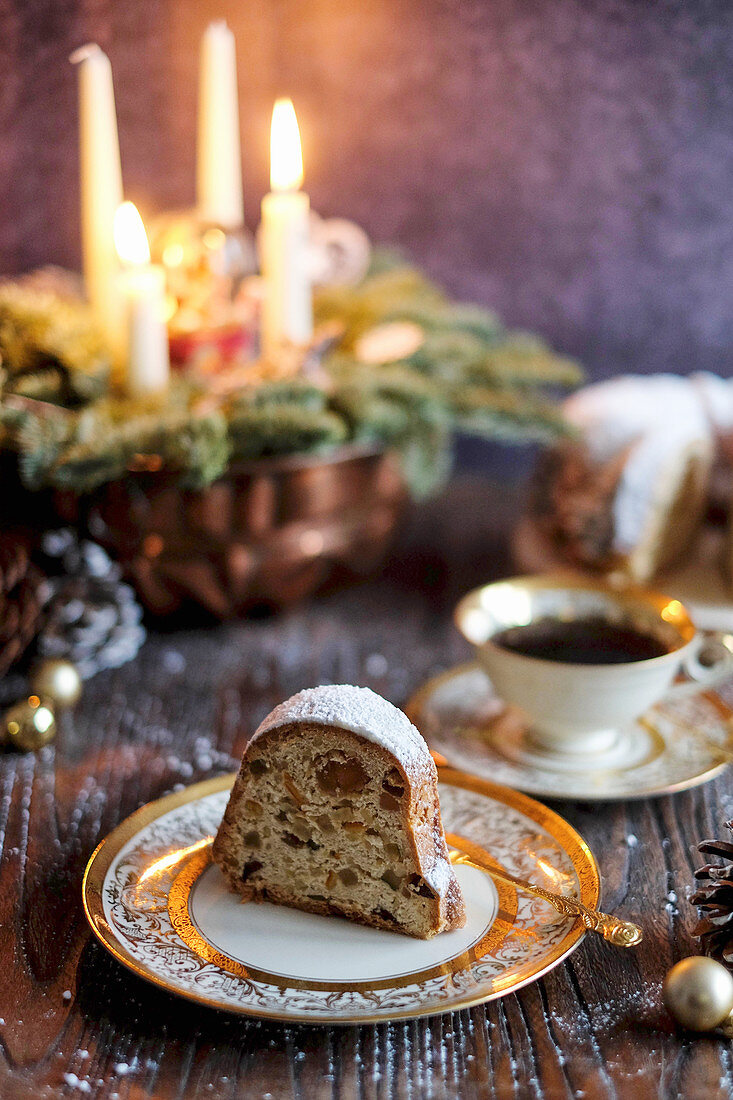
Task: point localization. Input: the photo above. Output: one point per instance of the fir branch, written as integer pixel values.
(383, 295)
(426, 457)
(282, 429)
(467, 320)
(201, 449)
(520, 363)
(467, 373)
(39, 441)
(371, 419)
(395, 381)
(293, 391)
(56, 340)
(448, 355)
(507, 414)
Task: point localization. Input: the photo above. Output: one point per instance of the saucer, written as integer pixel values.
(156, 901)
(674, 746)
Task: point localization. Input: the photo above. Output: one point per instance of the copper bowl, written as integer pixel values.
(268, 533)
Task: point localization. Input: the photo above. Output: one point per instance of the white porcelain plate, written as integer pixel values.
(157, 902)
(673, 747)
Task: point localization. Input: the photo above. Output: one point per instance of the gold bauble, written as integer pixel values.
(58, 680)
(30, 724)
(698, 992)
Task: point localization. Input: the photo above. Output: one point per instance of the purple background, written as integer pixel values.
(566, 161)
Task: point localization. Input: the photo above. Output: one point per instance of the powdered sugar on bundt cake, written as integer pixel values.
(662, 425)
(631, 493)
(359, 710)
(335, 810)
(716, 395)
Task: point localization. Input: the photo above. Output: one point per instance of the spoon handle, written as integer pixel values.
(621, 933)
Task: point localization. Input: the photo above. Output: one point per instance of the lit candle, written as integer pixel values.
(218, 163)
(287, 309)
(100, 185)
(142, 288)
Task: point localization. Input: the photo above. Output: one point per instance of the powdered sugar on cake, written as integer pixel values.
(359, 710)
(716, 395)
(620, 411)
(663, 420)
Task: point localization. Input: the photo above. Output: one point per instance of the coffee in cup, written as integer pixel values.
(582, 658)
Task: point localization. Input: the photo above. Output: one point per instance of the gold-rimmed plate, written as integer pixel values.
(678, 744)
(156, 901)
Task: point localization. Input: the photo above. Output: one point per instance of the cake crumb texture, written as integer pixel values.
(335, 810)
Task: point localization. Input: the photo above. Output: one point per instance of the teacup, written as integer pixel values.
(578, 708)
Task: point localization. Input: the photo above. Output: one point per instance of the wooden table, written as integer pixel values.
(74, 1023)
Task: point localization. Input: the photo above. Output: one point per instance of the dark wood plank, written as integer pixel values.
(74, 1023)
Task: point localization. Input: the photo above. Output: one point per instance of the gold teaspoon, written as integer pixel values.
(621, 933)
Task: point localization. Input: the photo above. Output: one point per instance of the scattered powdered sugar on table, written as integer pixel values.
(78, 1083)
(359, 710)
(123, 1068)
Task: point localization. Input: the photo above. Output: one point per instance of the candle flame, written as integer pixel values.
(131, 240)
(286, 157)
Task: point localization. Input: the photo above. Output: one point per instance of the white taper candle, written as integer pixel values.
(287, 312)
(142, 288)
(100, 184)
(218, 155)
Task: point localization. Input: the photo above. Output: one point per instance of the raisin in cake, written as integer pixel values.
(335, 811)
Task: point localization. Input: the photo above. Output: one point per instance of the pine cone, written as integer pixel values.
(91, 618)
(20, 600)
(714, 900)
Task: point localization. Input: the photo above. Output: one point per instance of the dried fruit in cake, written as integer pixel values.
(335, 810)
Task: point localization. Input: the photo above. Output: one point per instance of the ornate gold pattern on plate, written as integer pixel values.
(672, 748)
(139, 883)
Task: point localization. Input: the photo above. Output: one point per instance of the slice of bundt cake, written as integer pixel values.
(335, 810)
(629, 493)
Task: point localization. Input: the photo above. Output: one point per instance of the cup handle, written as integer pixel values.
(708, 663)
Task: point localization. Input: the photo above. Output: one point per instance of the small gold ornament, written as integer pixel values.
(58, 680)
(30, 724)
(698, 992)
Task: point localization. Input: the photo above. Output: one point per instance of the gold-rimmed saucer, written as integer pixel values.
(157, 903)
(673, 747)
